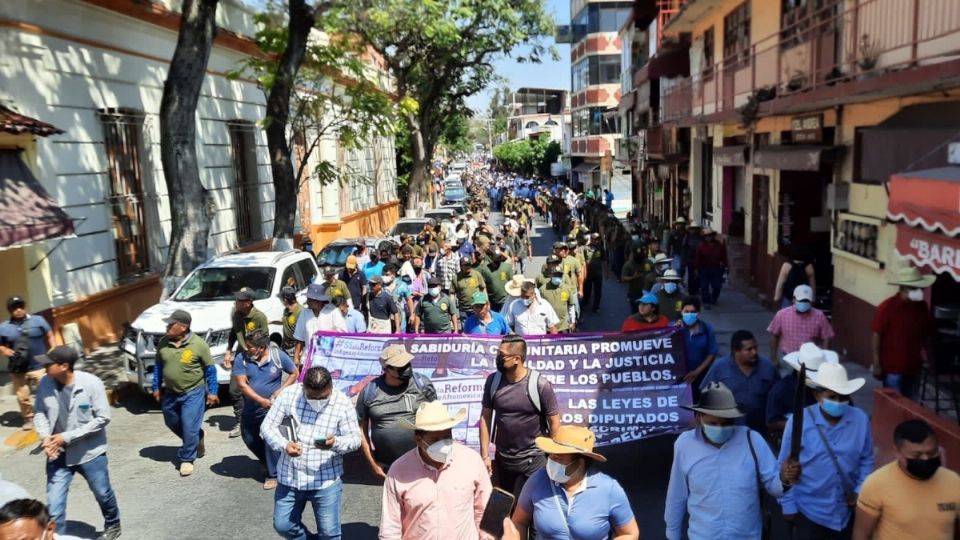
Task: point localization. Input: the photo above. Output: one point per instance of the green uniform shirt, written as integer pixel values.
(499, 278)
(183, 366)
(464, 286)
(634, 287)
(595, 258)
(670, 304)
(437, 314)
(571, 267)
(245, 324)
(560, 299)
(417, 250)
(337, 288)
(290, 315)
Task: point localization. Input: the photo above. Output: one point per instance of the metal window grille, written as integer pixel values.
(246, 182)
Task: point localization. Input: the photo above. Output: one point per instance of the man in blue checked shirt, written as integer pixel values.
(319, 427)
(826, 486)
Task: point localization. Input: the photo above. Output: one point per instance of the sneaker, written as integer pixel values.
(270, 483)
(186, 469)
(201, 448)
(27, 425)
(112, 533)
(235, 432)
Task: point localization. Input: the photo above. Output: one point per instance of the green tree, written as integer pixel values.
(528, 157)
(440, 52)
(456, 135)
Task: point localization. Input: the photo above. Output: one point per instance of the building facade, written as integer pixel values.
(802, 117)
(95, 69)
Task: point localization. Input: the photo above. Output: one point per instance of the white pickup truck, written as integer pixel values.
(207, 294)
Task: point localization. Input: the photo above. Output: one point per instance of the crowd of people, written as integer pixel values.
(748, 450)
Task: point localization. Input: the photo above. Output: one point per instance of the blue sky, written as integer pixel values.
(548, 74)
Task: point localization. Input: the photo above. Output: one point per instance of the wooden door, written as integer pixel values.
(759, 216)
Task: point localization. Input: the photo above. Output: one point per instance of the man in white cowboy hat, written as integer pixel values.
(780, 400)
(710, 263)
(836, 456)
(903, 329)
(659, 264)
(670, 293)
(547, 498)
(383, 405)
(718, 469)
(798, 324)
(440, 488)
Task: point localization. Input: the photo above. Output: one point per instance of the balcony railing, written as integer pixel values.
(829, 47)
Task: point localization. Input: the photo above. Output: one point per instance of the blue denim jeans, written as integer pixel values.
(288, 511)
(711, 281)
(250, 423)
(59, 476)
(183, 414)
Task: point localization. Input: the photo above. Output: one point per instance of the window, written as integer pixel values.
(208, 284)
(289, 278)
(122, 140)
(708, 56)
(594, 18)
(596, 69)
(308, 271)
(596, 121)
(246, 182)
(736, 36)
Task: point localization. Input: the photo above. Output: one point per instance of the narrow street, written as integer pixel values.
(223, 499)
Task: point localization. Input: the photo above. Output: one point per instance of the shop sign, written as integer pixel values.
(807, 129)
(936, 251)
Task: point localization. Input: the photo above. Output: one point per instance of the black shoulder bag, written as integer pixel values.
(764, 511)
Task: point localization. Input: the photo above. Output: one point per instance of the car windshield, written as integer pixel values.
(407, 227)
(335, 255)
(453, 192)
(439, 216)
(207, 284)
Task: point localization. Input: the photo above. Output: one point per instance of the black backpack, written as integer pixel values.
(796, 277)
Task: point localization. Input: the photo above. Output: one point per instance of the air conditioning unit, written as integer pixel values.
(838, 196)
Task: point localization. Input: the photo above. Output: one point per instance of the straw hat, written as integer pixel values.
(571, 440)
(811, 356)
(661, 258)
(911, 277)
(670, 275)
(512, 287)
(716, 400)
(395, 356)
(834, 377)
(434, 416)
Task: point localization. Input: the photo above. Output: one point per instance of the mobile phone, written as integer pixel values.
(498, 507)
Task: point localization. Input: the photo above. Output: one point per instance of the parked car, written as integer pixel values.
(207, 294)
(409, 226)
(454, 193)
(459, 208)
(441, 214)
(335, 253)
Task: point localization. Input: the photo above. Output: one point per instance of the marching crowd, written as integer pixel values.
(779, 430)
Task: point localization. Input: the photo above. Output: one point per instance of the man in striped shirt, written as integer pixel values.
(312, 425)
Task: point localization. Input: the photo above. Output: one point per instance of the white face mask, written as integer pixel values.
(441, 451)
(915, 295)
(318, 404)
(435, 291)
(387, 280)
(557, 472)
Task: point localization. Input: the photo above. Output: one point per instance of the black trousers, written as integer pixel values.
(593, 290)
(804, 529)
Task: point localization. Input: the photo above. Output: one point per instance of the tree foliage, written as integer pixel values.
(528, 157)
(442, 51)
(456, 135)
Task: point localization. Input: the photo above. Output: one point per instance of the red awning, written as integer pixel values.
(16, 123)
(925, 249)
(928, 199)
(27, 212)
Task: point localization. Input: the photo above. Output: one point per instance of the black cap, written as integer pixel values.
(553, 259)
(329, 271)
(15, 300)
(245, 293)
(559, 245)
(179, 316)
(572, 244)
(59, 355)
(557, 271)
(433, 282)
(288, 292)
(466, 261)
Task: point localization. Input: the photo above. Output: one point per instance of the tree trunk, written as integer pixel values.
(191, 204)
(285, 185)
(418, 189)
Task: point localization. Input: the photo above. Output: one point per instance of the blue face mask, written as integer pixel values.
(670, 288)
(556, 281)
(835, 409)
(718, 434)
(802, 307)
(690, 319)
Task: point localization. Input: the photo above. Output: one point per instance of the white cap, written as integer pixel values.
(803, 292)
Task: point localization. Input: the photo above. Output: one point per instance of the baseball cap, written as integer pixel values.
(553, 259)
(559, 245)
(433, 282)
(478, 298)
(329, 271)
(649, 298)
(179, 316)
(376, 279)
(316, 292)
(287, 292)
(59, 355)
(15, 300)
(245, 293)
(351, 262)
(395, 355)
(803, 292)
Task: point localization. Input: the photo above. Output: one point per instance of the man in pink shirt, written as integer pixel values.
(798, 324)
(438, 490)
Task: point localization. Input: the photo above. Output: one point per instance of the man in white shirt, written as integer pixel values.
(320, 315)
(531, 316)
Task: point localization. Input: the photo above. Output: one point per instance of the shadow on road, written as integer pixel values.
(358, 531)
(162, 454)
(240, 467)
(357, 472)
(81, 529)
(11, 419)
(222, 422)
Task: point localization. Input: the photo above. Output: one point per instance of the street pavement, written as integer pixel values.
(223, 499)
